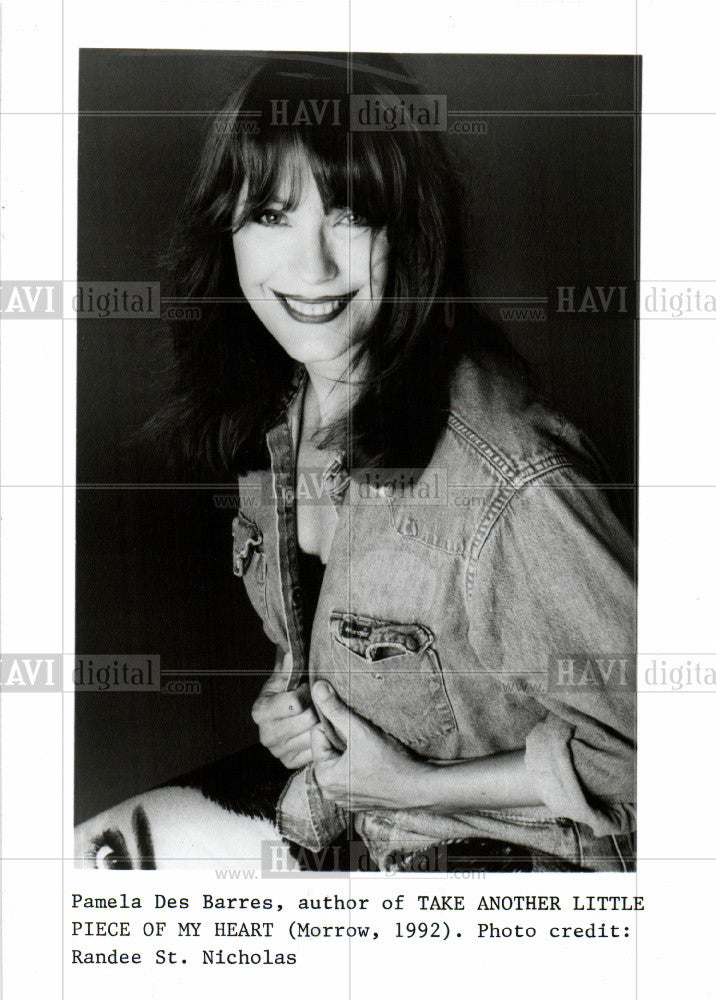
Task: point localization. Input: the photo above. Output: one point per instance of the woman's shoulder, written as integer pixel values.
(497, 413)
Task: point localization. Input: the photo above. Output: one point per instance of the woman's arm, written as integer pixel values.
(375, 771)
(551, 585)
(495, 782)
(550, 597)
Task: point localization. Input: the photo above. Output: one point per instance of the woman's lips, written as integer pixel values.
(317, 310)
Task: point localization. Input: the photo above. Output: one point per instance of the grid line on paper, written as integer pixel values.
(62, 509)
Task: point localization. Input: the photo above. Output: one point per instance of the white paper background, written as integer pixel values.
(671, 952)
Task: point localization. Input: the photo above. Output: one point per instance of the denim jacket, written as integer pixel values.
(485, 605)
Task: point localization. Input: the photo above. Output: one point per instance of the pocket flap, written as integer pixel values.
(375, 639)
(390, 674)
(247, 539)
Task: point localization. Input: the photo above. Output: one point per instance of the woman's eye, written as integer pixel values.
(109, 851)
(106, 857)
(352, 219)
(110, 859)
(271, 217)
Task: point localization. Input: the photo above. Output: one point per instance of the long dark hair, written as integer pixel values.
(229, 376)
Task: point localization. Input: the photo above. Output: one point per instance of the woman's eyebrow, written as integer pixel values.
(143, 833)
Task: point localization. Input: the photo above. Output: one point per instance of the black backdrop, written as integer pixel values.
(553, 183)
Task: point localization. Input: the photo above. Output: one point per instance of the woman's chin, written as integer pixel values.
(319, 349)
(314, 343)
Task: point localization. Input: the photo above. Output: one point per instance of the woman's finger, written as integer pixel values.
(279, 730)
(296, 745)
(280, 705)
(282, 745)
(321, 746)
(301, 760)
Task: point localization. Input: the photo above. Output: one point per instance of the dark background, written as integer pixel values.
(553, 200)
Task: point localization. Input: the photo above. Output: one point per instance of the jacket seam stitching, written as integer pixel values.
(580, 849)
(460, 553)
(551, 822)
(508, 471)
(496, 460)
(493, 515)
(495, 511)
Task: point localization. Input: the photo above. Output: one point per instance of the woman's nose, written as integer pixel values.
(316, 257)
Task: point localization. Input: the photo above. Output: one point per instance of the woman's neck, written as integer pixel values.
(328, 397)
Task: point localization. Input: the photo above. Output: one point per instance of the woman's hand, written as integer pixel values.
(375, 771)
(285, 719)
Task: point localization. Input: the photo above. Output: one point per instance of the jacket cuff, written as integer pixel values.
(551, 767)
(305, 817)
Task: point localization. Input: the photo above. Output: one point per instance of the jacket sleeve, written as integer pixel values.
(552, 612)
(304, 816)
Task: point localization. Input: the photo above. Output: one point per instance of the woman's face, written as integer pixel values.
(314, 278)
(172, 828)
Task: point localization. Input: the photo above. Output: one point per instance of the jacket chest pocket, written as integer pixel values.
(249, 561)
(390, 674)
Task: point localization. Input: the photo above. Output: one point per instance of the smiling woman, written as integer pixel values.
(417, 703)
(311, 264)
(311, 242)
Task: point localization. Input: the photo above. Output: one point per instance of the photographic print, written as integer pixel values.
(356, 461)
